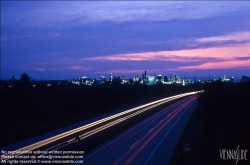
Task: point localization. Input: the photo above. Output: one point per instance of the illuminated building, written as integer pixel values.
(110, 79)
(187, 82)
(85, 81)
(76, 82)
(159, 79)
(149, 80)
(102, 79)
(124, 79)
(224, 79)
(136, 79)
(176, 79)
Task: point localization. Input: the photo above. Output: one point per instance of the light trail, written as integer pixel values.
(138, 128)
(76, 130)
(85, 135)
(151, 137)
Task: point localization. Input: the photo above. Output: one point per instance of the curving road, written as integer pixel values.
(84, 133)
(130, 147)
(152, 141)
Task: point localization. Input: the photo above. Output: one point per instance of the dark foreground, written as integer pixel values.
(221, 121)
(28, 112)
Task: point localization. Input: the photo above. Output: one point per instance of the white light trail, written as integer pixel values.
(71, 132)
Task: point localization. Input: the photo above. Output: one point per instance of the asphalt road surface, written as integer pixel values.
(125, 149)
(152, 141)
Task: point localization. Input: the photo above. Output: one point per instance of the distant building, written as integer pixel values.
(102, 80)
(187, 82)
(165, 78)
(85, 81)
(225, 79)
(232, 79)
(110, 78)
(124, 79)
(245, 79)
(159, 79)
(136, 79)
(176, 79)
(123, 76)
(116, 80)
(76, 82)
(149, 80)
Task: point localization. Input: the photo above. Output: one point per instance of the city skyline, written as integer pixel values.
(64, 40)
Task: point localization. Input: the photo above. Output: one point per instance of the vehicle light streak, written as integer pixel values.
(151, 137)
(85, 135)
(140, 127)
(161, 126)
(76, 130)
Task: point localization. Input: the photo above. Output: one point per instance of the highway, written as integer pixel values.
(152, 141)
(91, 131)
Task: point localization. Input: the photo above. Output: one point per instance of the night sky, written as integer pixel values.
(68, 40)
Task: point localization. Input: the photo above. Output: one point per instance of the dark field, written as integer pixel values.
(221, 121)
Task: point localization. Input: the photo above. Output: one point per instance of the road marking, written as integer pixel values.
(90, 125)
(55, 145)
(133, 128)
(130, 130)
(167, 134)
(150, 129)
(133, 145)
